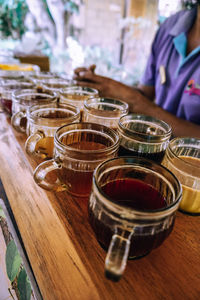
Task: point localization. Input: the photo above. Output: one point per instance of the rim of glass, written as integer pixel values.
(108, 201)
(11, 74)
(44, 74)
(113, 136)
(34, 109)
(76, 89)
(146, 118)
(184, 139)
(21, 93)
(13, 84)
(121, 105)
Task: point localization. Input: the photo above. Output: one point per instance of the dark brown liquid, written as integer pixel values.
(156, 156)
(7, 105)
(138, 195)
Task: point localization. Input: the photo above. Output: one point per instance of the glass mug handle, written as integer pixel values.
(41, 172)
(16, 121)
(32, 141)
(117, 255)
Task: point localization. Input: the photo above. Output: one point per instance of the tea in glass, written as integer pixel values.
(105, 111)
(43, 121)
(76, 95)
(7, 87)
(143, 136)
(22, 100)
(56, 84)
(79, 148)
(183, 159)
(132, 209)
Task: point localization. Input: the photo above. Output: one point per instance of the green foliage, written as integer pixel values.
(24, 286)
(2, 213)
(16, 271)
(12, 15)
(72, 6)
(13, 260)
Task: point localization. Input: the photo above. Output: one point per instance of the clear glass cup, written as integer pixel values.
(11, 75)
(78, 149)
(104, 111)
(7, 87)
(183, 159)
(76, 95)
(56, 84)
(132, 209)
(143, 136)
(43, 121)
(22, 100)
(40, 76)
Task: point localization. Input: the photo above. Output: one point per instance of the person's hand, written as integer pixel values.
(107, 87)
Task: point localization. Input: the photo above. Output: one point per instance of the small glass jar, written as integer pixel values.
(5, 75)
(78, 149)
(40, 76)
(183, 159)
(43, 121)
(56, 84)
(22, 100)
(76, 95)
(7, 87)
(132, 209)
(143, 136)
(104, 111)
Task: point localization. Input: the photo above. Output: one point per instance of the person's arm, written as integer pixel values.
(108, 87)
(180, 127)
(139, 100)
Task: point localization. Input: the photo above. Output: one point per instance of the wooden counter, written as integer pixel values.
(66, 259)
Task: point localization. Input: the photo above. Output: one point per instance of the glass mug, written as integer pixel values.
(6, 89)
(22, 100)
(11, 75)
(143, 136)
(76, 95)
(39, 76)
(183, 159)
(78, 149)
(56, 84)
(43, 121)
(104, 111)
(132, 209)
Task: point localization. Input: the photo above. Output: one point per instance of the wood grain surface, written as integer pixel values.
(66, 259)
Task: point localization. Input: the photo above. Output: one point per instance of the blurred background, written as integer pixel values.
(59, 35)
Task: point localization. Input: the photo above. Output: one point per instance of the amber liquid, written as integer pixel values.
(138, 195)
(56, 115)
(156, 156)
(45, 147)
(78, 177)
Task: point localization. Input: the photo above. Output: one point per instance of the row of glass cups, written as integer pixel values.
(124, 228)
(140, 135)
(85, 160)
(11, 81)
(85, 163)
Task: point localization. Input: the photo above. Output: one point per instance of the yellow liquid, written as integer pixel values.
(191, 197)
(45, 147)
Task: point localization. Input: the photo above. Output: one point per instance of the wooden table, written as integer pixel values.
(66, 259)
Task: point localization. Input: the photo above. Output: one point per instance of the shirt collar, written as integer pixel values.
(185, 22)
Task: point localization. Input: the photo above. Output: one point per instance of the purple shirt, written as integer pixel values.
(178, 91)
